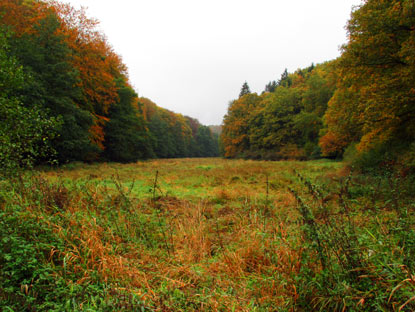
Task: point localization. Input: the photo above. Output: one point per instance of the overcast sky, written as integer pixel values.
(192, 56)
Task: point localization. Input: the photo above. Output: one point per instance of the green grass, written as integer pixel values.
(210, 234)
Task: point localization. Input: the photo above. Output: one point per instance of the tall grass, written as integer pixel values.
(365, 252)
(52, 257)
(207, 235)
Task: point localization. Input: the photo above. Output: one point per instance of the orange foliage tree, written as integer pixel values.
(284, 121)
(98, 66)
(374, 104)
(67, 40)
(236, 124)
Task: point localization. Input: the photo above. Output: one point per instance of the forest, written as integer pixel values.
(360, 106)
(70, 95)
(109, 202)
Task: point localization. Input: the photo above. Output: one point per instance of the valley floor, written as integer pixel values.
(207, 235)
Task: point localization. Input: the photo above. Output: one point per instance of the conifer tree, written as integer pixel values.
(244, 90)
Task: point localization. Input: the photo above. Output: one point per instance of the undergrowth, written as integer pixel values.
(115, 237)
(361, 234)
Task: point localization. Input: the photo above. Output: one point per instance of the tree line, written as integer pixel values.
(360, 105)
(65, 95)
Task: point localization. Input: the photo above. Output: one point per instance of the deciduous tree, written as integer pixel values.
(25, 132)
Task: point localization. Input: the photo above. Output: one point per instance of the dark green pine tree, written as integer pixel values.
(244, 90)
(285, 79)
(270, 87)
(126, 138)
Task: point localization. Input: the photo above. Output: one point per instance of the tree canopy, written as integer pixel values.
(362, 102)
(283, 122)
(374, 102)
(25, 131)
(61, 74)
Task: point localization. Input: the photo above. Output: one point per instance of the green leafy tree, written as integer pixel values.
(206, 142)
(162, 140)
(126, 138)
(279, 129)
(319, 88)
(163, 144)
(25, 132)
(46, 57)
(284, 123)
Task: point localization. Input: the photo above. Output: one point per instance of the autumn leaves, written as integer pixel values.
(75, 77)
(362, 101)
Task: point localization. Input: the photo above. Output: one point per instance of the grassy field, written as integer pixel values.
(207, 235)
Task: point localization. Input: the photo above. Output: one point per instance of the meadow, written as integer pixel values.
(207, 234)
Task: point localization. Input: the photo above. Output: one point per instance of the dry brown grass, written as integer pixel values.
(223, 245)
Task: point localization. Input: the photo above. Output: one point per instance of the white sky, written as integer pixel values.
(192, 56)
